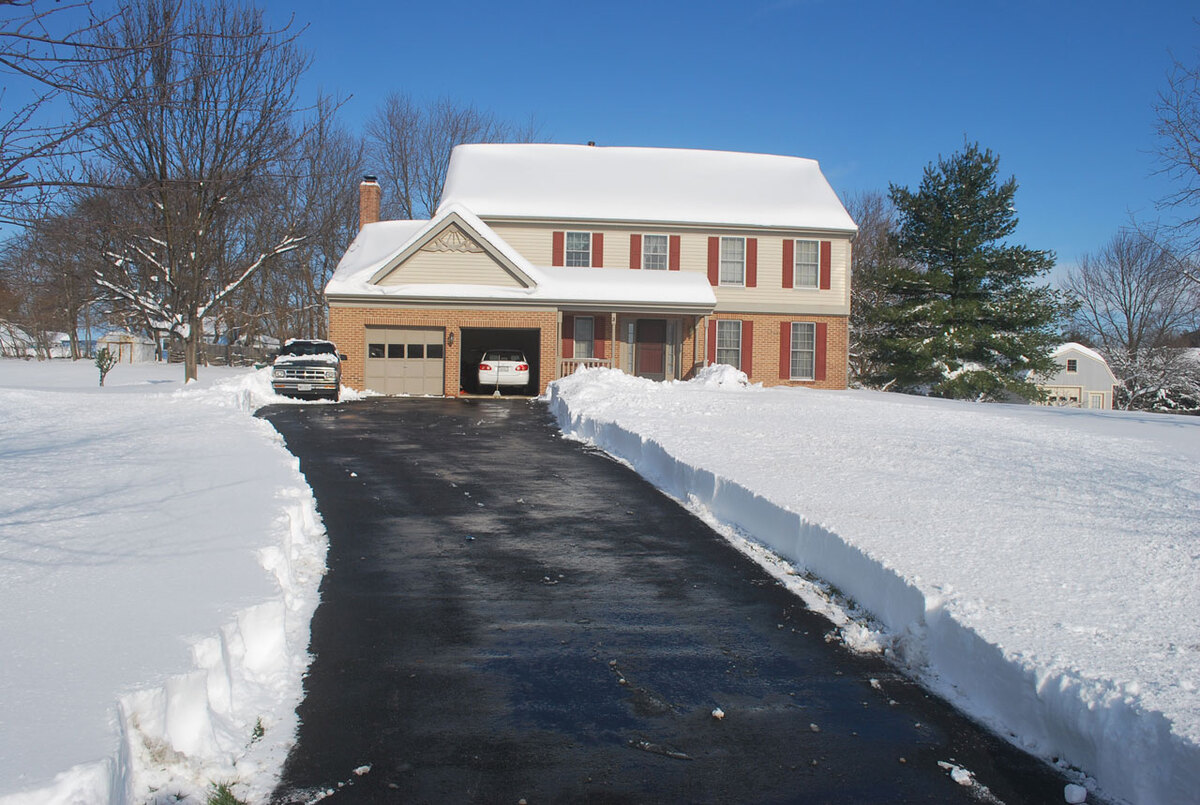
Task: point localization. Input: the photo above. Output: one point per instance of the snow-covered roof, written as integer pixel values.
(662, 185)
(379, 247)
(1072, 346)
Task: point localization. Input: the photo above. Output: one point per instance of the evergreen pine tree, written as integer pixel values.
(967, 321)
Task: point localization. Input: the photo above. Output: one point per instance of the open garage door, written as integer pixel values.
(406, 360)
(477, 340)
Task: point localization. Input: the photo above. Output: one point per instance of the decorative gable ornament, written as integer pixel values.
(453, 239)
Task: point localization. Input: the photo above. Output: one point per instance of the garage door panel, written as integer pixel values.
(405, 360)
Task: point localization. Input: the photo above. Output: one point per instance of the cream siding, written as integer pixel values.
(451, 268)
(534, 242)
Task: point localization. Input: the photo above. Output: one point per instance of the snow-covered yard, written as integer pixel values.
(160, 555)
(1039, 567)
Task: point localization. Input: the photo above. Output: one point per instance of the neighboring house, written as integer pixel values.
(129, 347)
(1082, 381)
(15, 342)
(654, 261)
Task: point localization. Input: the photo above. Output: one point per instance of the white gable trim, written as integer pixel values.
(439, 225)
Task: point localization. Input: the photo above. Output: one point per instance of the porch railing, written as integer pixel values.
(567, 366)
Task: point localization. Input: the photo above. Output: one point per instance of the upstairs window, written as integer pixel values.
(808, 264)
(1072, 365)
(579, 249)
(733, 263)
(654, 252)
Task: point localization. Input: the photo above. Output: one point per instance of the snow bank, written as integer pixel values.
(160, 557)
(1035, 566)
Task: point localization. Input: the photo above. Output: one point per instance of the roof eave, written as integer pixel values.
(666, 223)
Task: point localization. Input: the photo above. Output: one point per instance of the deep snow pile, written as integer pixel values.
(1036, 566)
(160, 555)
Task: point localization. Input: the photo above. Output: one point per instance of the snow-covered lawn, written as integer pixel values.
(1038, 567)
(160, 555)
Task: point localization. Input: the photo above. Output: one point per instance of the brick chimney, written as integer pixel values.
(369, 193)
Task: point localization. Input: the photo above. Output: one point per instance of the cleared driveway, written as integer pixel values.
(509, 615)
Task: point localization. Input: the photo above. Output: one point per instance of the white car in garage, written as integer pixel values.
(503, 367)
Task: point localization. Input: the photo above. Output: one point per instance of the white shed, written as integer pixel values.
(128, 347)
(1083, 379)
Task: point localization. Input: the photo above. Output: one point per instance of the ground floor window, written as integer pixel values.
(804, 350)
(729, 342)
(585, 337)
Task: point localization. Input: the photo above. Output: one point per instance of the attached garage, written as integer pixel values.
(405, 360)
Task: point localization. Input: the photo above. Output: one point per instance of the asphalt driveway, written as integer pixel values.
(511, 616)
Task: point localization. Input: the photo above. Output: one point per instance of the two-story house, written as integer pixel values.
(655, 261)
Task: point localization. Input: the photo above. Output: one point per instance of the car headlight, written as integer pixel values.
(276, 373)
(331, 375)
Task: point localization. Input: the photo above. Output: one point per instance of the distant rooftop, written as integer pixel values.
(672, 185)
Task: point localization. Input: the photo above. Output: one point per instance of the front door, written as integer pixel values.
(650, 349)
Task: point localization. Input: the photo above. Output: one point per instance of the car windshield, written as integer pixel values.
(308, 348)
(503, 355)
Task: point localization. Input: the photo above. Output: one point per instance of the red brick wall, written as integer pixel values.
(347, 327)
(765, 348)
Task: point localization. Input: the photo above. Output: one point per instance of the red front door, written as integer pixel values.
(650, 353)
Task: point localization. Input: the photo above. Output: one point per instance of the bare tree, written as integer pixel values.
(203, 132)
(46, 49)
(1133, 300)
(1178, 129)
(873, 259)
(52, 266)
(411, 146)
(322, 195)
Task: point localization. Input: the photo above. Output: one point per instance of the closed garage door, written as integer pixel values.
(406, 360)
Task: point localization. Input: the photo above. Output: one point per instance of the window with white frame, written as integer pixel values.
(654, 252)
(729, 343)
(807, 272)
(585, 341)
(804, 350)
(1072, 365)
(578, 249)
(733, 262)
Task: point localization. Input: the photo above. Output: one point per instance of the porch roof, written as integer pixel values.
(380, 245)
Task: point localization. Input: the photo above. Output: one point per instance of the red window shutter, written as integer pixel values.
(785, 350)
(714, 262)
(751, 264)
(635, 251)
(558, 249)
(826, 264)
(673, 260)
(598, 250)
(789, 269)
(600, 334)
(819, 369)
(568, 337)
(712, 341)
(748, 348)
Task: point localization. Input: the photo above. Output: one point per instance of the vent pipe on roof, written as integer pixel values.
(369, 194)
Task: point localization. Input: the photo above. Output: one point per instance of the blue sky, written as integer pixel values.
(1063, 92)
